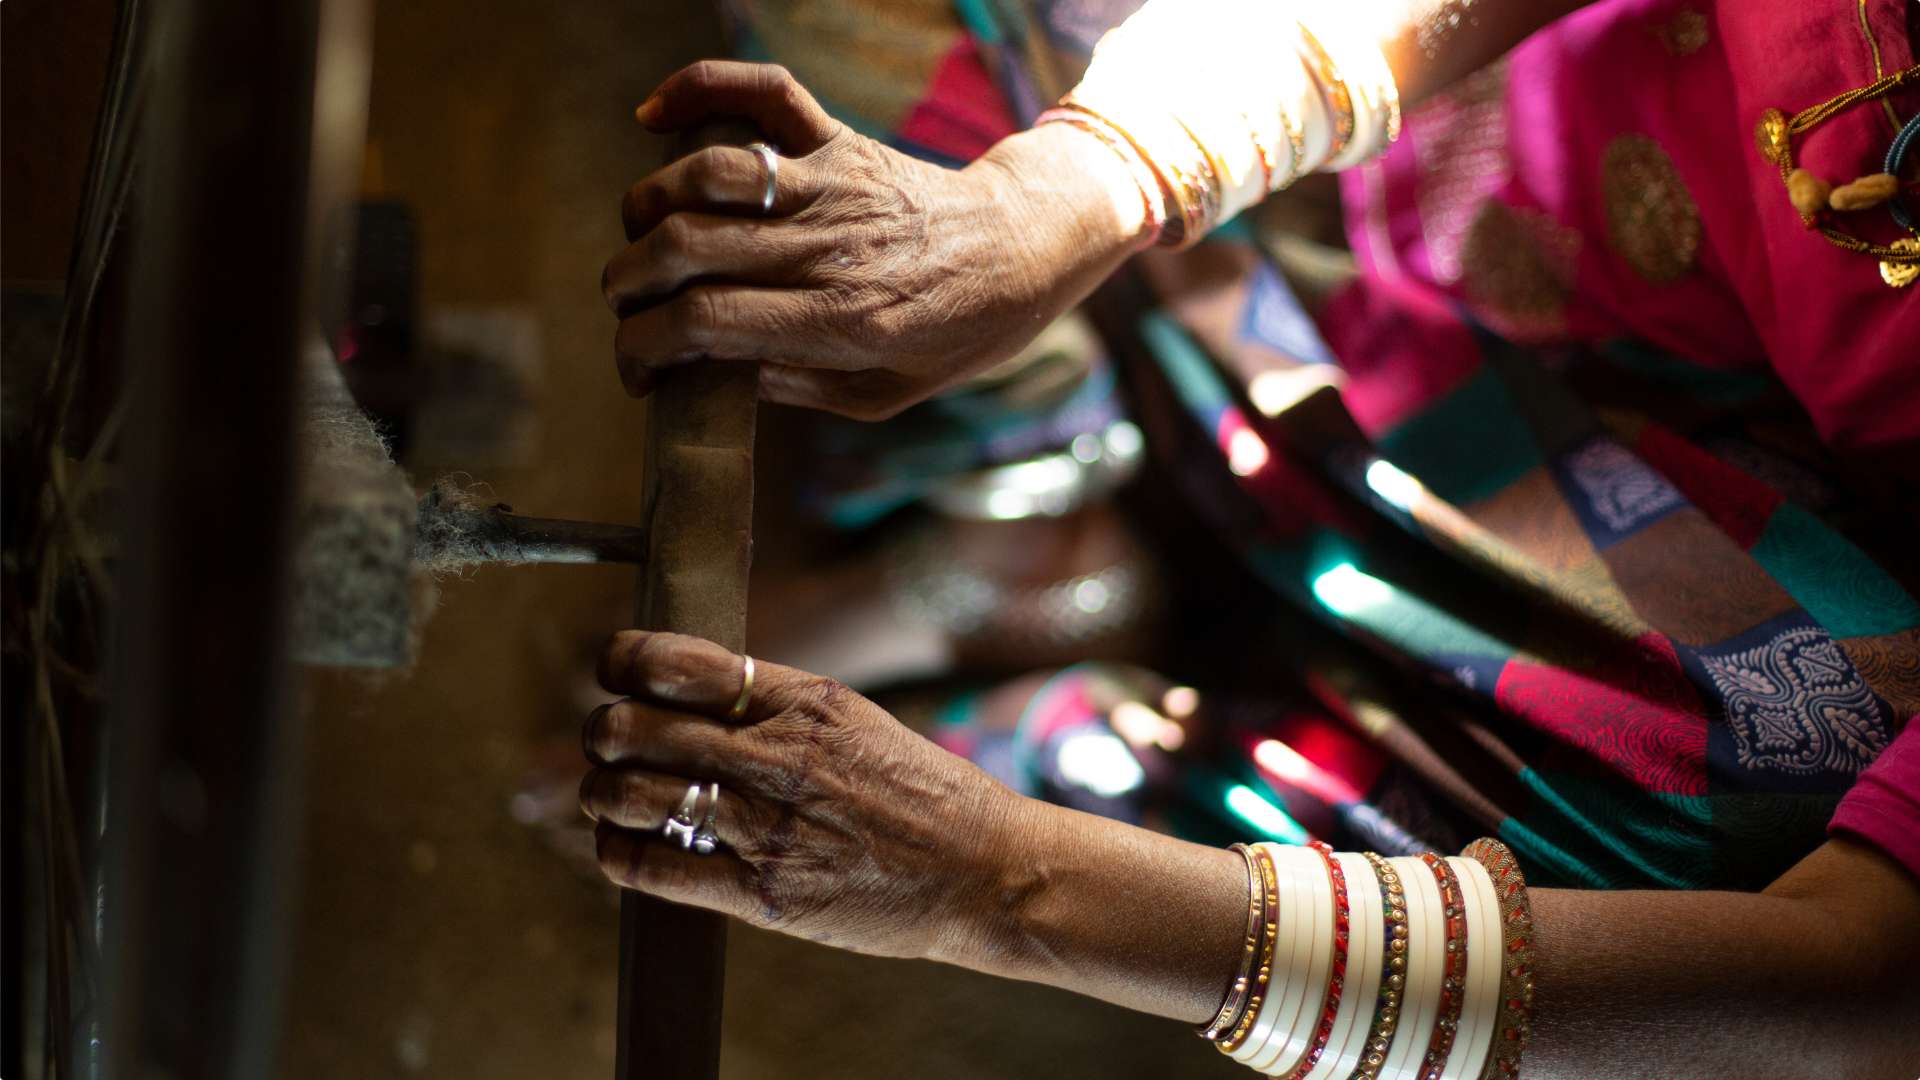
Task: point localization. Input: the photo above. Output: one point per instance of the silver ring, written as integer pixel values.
(771, 160)
(704, 840)
(698, 838)
(681, 825)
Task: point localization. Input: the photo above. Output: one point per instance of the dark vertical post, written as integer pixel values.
(199, 843)
(699, 527)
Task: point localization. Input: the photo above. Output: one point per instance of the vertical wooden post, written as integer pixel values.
(699, 526)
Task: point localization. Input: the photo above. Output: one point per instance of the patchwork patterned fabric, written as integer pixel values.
(1589, 567)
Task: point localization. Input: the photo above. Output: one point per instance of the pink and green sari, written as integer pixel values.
(1600, 475)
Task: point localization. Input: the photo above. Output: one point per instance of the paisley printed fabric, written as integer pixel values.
(1797, 704)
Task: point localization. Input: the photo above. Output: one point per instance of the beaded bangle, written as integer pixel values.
(1262, 974)
(1425, 963)
(1307, 924)
(1481, 998)
(1363, 990)
(1515, 1020)
(1393, 947)
(1453, 982)
(1333, 89)
(1235, 1004)
(1337, 977)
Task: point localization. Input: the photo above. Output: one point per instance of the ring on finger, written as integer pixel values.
(704, 838)
(771, 161)
(681, 825)
(739, 710)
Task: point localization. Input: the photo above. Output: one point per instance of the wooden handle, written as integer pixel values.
(698, 515)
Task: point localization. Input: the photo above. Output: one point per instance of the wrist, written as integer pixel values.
(983, 929)
(1072, 179)
(1103, 908)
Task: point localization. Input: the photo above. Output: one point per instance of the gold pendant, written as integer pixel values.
(1901, 274)
(1770, 136)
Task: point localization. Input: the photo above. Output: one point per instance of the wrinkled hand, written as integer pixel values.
(876, 280)
(835, 822)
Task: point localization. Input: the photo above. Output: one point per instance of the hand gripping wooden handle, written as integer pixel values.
(698, 515)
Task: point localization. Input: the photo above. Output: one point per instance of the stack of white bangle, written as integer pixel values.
(1345, 937)
(1223, 119)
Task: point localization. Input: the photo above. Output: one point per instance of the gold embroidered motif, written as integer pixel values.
(1460, 144)
(1518, 266)
(1683, 34)
(1652, 221)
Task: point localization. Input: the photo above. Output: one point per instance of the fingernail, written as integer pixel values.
(648, 112)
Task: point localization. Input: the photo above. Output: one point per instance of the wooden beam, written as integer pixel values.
(699, 525)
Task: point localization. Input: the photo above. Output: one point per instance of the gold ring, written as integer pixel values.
(739, 710)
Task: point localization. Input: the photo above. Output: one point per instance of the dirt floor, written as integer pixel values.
(437, 934)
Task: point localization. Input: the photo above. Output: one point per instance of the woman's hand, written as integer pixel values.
(876, 280)
(835, 823)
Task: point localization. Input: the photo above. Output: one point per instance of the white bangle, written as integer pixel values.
(1366, 936)
(1293, 936)
(1376, 100)
(1482, 991)
(1291, 1035)
(1426, 957)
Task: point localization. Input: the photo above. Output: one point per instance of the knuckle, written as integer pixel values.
(697, 315)
(823, 699)
(632, 202)
(614, 731)
(708, 168)
(628, 801)
(670, 242)
(702, 74)
(617, 859)
(767, 891)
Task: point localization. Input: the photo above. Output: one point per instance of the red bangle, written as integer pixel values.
(1453, 983)
(1337, 981)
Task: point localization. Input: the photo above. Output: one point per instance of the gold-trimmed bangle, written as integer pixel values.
(1296, 149)
(1152, 191)
(1514, 1021)
(1386, 1007)
(1333, 88)
(1262, 974)
(1194, 203)
(1235, 1004)
(1213, 185)
(1453, 993)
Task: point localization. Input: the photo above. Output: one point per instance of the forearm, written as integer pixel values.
(1111, 911)
(1430, 44)
(1810, 978)
(1213, 104)
(1807, 978)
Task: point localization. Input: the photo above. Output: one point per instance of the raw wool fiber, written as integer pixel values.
(353, 593)
(456, 533)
